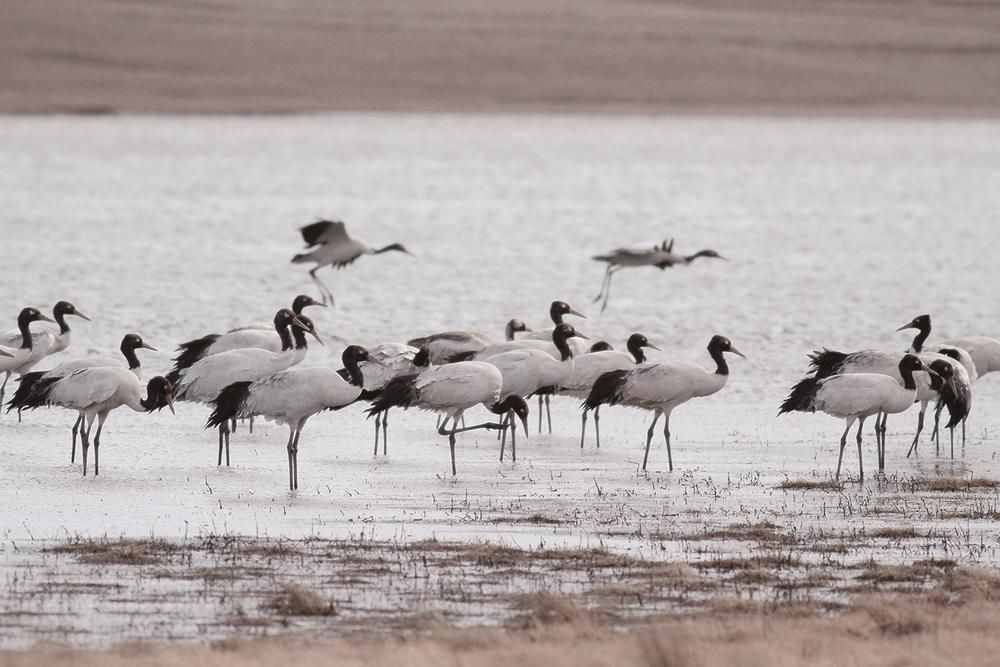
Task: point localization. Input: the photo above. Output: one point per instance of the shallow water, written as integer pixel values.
(837, 232)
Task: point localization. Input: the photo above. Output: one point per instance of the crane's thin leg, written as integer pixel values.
(18, 413)
(97, 443)
(963, 433)
(843, 443)
(378, 421)
(227, 446)
(385, 433)
(85, 441)
(666, 437)
(861, 467)
(607, 292)
(502, 435)
(295, 452)
(951, 434)
(76, 429)
(220, 445)
(324, 291)
(604, 281)
(649, 437)
(540, 406)
(548, 411)
(251, 425)
(920, 427)
(288, 449)
(936, 434)
(882, 430)
(583, 426)
(597, 425)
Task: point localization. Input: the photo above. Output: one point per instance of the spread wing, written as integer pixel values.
(323, 232)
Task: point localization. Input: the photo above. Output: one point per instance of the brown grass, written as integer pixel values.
(302, 55)
(810, 485)
(955, 484)
(117, 552)
(764, 561)
(294, 600)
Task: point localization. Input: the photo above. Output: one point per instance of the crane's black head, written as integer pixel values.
(63, 308)
(301, 325)
(29, 315)
(397, 247)
(921, 322)
(132, 342)
(601, 346)
(516, 326)
(422, 358)
(159, 394)
(563, 332)
(943, 368)
(283, 318)
(353, 355)
(720, 344)
(911, 363)
(560, 308)
(303, 301)
(514, 404)
(636, 342)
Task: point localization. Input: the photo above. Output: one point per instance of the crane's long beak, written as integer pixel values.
(82, 316)
(5, 353)
(45, 318)
(653, 347)
(577, 313)
(908, 325)
(737, 352)
(146, 346)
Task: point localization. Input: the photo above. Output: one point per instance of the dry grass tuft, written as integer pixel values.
(294, 600)
(117, 552)
(894, 533)
(763, 562)
(754, 532)
(896, 620)
(545, 609)
(955, 484)
(810, 485)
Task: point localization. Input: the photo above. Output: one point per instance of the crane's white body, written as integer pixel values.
(451, 389)
(447, 345)
(98, 390)
(853, 395)
(548, 347)
(261, 338)
(592, 365)
(23, 359)
(577, 345)
(292, 396)
(664, 386)
(202, 382)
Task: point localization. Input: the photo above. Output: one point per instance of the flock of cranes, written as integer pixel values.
(255, 371)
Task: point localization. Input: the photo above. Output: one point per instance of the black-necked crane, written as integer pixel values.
(855, 397)
(95, 392)
(448, 346)
(529, 370)
(328, 244)
(27, 347)
(557, 310)
(205, 380)
(450, 390)
(660, 255)
(662, 387)
(954, 389)
(384, 362)
(558, 347)
(258, 335)
(291, 397)
(587, 368)
(982, 350)
(29, 381)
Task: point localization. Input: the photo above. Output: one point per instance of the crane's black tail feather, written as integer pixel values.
(398, 392)
(607, 390)
(229, 404)
(39, 394)
(24, 390)
(825, 362)
(802, 397)
(192, 351)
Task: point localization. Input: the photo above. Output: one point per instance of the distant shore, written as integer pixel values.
(226, 56)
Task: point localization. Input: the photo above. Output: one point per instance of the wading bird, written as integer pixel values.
(662, 256)
(27, 386)
(557, 310)
(857, 396)
(205, 380)
(384, 362)
(291, 397)
(662, 387)
(31, 347)
(448, 345)
(95, 392)
(450, 390)
(587, 368)
(328, 244)
(260, 336)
